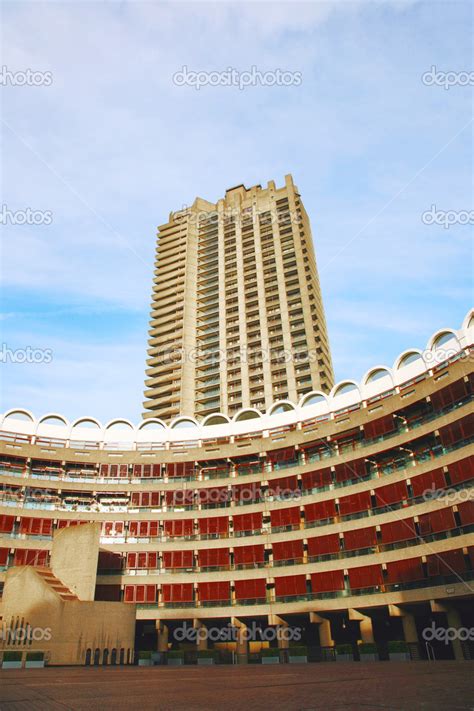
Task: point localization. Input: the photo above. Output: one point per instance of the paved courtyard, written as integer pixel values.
(377, 685)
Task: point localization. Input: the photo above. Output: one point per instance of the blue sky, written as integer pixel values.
(112, 146)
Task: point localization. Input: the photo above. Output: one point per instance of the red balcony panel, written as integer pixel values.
(214, 557)
(144, 529)
(4, 556)
(380, 426)
(251, 589)
(288, 550)
(323, 545)
(446, 563)
(180, 469)
(436, 521)
(65, 523)
(247, 492)
(214, 591)
(404, 571)
(351, 470)
(218, 525)
(457, 431)
(218, 495)
(246, 555)
(368, 576)
(360, 538)
(316, 480)
(391, 493)
(178, 559)
(248, 522)
(178, 528)
(328, 581)
(283, 486)
(181, 497)
(36, 526)
(140, 593)
(113, 528)
(6, 524)
(285, 517)
(104, 470)
(400, 530)
(290, 585)
(466, 512)
(429, 481)
(288, 454)
(320, 511)
(450, 394)
(354, 503)
(36, 558)
(145, 498)
(178, 593)
(462, 470)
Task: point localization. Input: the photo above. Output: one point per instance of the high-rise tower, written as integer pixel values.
(237, 318)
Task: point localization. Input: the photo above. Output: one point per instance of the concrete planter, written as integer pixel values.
(12, 665)
(344, 657)
(175, 662)
(205, 661)
(34, 664)
(368, 657)
(298, 660)
(144, 662)
(399, 656)
(270, 660)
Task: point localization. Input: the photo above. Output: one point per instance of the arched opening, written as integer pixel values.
(409, 358)
(97, 657)
(88, 657)
(21, 415)
(105, 657)
(113, 656)
(377, 374)
(215, 420)
(247, 415)
(122, 656)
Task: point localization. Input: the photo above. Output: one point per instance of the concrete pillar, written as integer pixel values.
(366, 629)
(454, 620)
(324, 629)
(242, 643)
(282, 637)
(409, 628)
(162, 632)
(202, 641)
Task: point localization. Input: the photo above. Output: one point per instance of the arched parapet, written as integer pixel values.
(281, 406)
(119, 430)
(53, 425)
(20, 421)
(345, 394)
(443, 345)
(376, 381)
(409, 364)
(86, 429)
(313, 404)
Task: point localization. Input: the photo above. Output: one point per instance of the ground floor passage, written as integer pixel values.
(442, 685)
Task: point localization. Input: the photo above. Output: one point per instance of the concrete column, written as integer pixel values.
(282, 637)
(366, 629)
(202, 641)
(409, 628)
(324, 629)
(162, 632)
(242, 646)
(454, 620)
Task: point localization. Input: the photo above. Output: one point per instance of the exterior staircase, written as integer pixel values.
(55, 584)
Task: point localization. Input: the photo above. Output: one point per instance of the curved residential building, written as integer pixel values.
(348, 516)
